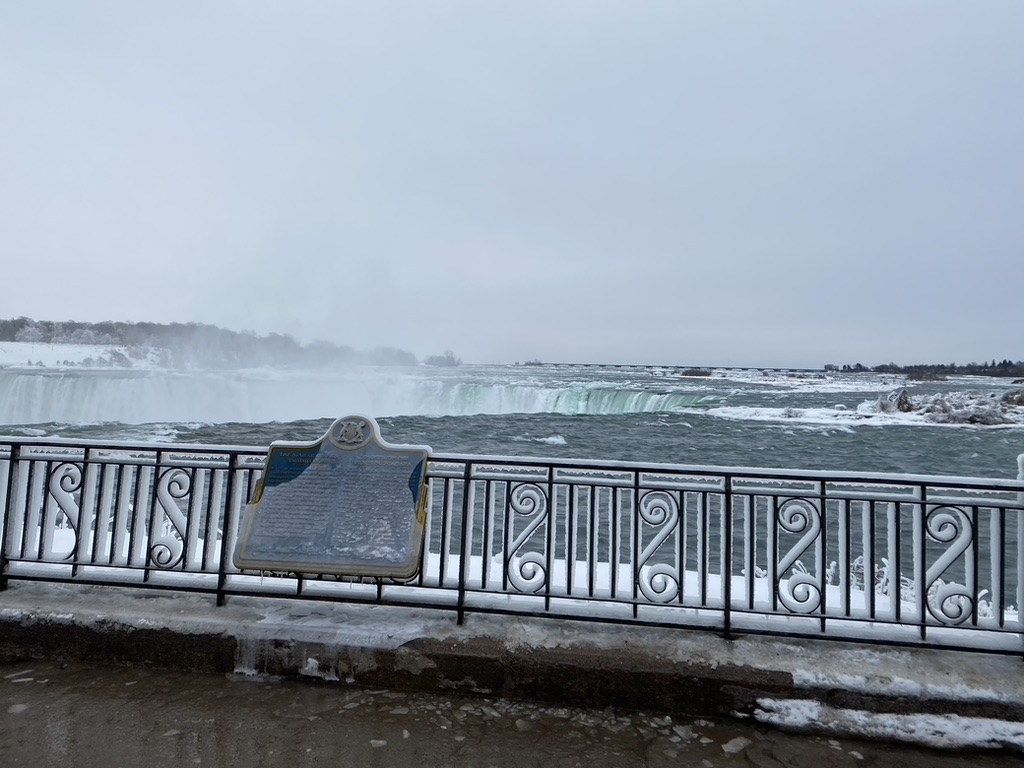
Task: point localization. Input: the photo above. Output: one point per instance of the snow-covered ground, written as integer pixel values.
(22, 354)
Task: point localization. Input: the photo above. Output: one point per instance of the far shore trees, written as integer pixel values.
(198, 345)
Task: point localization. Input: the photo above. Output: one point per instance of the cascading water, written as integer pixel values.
(136, 397)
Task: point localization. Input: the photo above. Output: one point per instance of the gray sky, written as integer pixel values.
(665, 182)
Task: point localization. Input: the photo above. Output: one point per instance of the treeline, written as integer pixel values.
(190, 345)
(994, 368)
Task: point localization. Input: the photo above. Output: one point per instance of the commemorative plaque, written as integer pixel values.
(348, 504)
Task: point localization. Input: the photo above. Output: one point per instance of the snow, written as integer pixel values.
(949, 409)
(810, 381)
(26, 355)
(938, 731)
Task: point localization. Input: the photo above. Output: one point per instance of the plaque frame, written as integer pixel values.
(351, 443)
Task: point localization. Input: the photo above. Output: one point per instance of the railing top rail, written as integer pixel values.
(6, 440)
(693, 470)
(737, 472)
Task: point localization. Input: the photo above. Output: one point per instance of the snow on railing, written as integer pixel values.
(880, 558)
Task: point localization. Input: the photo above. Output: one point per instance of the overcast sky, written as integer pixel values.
(664, 182)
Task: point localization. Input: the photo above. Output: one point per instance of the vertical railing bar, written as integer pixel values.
(637, 546)
(999, 569)
(869, 564)
(921, 569)
(152, 510)
(750, 544)
(466, 544)
(570, 538)
(592, 541)
(26, 518)
(506, 556)
(974, 562)
(83, 518)
(998, 577)
(211, 486)
(845, 554)
(487, 545)
(702, 547)
(616, 541)
(136, 510)
(43, 504)
(551, 536)
(216, 491)
(121, 508)
(446, 531)
(894, 511)
(681, 541)
(187, 549)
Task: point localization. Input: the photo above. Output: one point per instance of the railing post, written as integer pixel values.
(921, 569)
(1020, 549)
(727, 560)
(637, 548)
(8, 501)
(229, 504)
(466, 546)
(823, 564)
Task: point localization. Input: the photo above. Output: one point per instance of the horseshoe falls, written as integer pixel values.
(967, 426)
(136, 397)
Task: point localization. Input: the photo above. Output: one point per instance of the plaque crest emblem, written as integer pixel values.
(350, 433)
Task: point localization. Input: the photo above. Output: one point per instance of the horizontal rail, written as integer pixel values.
(905, 559)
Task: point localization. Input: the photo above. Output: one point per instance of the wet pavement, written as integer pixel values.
(75, 715)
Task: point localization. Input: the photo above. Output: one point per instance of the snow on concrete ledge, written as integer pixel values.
(938, 731)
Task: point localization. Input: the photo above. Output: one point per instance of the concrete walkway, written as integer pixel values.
(74, 715)
(942, 699)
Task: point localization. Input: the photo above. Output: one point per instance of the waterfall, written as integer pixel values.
(137, 397)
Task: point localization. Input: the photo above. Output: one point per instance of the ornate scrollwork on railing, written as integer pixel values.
(64, 482)
(168, 548)
(527, 572)
(800, 592)
(951, 603)
(659, 510)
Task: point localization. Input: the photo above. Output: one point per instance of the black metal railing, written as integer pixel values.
(896, 559)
